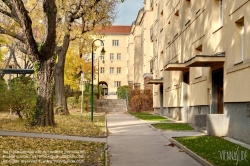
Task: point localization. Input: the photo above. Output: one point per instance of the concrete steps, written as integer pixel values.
(110, 105)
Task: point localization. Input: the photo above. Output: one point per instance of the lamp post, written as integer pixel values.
(92, 76)
(98, 75)
(82, 81)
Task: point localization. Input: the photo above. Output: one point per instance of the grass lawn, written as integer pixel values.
(66, 125)
(148, 117)
(173, 126)
(216, 150)
(38, 151)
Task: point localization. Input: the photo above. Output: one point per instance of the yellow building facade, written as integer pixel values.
(114, 71)
(200, 62)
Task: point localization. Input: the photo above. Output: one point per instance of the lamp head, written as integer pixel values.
(103, 51)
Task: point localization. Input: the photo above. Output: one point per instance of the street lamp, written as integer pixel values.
(92, 85)
(98, 72)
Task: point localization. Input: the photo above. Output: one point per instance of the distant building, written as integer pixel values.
(113, 72)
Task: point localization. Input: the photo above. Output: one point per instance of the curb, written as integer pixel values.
(190, 153)
(151, 126)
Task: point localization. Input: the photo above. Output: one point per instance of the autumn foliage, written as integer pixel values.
(141, 100)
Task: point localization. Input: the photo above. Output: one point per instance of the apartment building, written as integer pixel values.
(141, 49)
(113, 65)
(201, 63)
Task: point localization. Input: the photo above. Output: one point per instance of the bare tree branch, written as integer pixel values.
(12, 34)
(26, 24)
(13, 14)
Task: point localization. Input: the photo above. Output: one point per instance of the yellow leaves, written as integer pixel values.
(66, 125)
(36, 151)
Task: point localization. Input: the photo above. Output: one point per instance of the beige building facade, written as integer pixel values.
(114, 71)
(200, 62)
(141, 51)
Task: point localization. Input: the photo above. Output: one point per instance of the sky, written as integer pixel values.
(127, 12)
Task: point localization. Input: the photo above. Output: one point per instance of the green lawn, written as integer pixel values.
(173, 126)
(149, 117)
(42, 152)
(216, 150)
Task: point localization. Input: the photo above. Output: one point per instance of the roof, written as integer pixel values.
(116, 30)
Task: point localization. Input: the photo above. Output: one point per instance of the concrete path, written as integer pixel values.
(52, 136)
(132, 142)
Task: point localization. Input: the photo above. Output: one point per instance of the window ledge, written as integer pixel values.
(217, 29)
(199, 79)
(239, 66)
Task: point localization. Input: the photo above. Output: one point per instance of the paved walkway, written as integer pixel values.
(52, 136)
(132, 142)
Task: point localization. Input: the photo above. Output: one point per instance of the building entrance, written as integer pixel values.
(217, 96)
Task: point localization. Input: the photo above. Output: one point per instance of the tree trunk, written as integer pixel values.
(61, 99)
(44, 113)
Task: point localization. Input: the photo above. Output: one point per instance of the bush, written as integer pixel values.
(72, 101)
(123, 91)
(21, 97)
(3, 88)
(141, 100)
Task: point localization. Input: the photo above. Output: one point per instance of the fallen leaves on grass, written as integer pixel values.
(38, 151)
(66, 125)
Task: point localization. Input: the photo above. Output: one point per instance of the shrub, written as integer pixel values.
(123, 91)
(3, 88)
(72, 101)
(141, 100)
(20, 97)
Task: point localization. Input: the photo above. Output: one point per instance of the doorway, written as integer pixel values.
(185, 95)
(161, 99)
(104, 87)
(218, 95)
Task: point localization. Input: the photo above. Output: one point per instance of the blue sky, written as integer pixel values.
(127, 12)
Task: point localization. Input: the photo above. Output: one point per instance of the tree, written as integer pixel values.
(92, 16)
(42, 56)
(42, 48)
(74, 65)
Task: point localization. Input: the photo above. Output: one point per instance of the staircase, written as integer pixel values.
(110, 105)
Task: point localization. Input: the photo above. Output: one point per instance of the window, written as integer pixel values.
(115, 42)
(111, 56)
(119, 56)
(239, 41)
(102, 57)
(119, 70)
(94, 56)
(102, 43)
(220, 13)
(102, 70)
(86, 57)
(111, 70)
(117, 84)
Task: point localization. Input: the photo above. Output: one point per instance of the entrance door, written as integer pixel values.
(218, 85)
(161, 99)
(185, 94)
